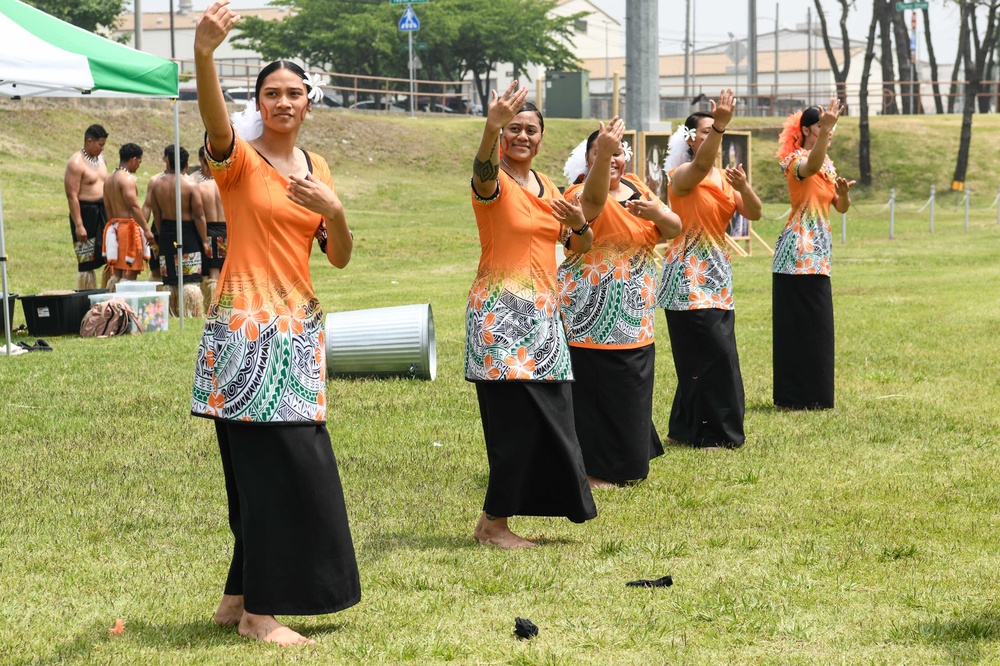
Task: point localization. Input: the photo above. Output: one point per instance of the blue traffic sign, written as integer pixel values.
(409, 21)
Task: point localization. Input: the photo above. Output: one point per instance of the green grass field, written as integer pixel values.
(861, 535)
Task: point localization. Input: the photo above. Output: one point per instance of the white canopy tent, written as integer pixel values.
(43, 56)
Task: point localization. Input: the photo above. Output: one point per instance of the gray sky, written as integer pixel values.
(717, 18)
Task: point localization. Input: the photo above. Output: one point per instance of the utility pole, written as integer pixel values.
(687, 48)
(776, 49)
(809, 58)
(137, 26)
(642, 65)
(752, 55)
(172, 54)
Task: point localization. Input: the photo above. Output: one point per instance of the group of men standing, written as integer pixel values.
(110, 229)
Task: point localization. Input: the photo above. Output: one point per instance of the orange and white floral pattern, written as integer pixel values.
(806, 242)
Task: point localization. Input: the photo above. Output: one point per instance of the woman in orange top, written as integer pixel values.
(801, 296)
(697, 284)
(261, 369)
(515, 349)
(607, 295)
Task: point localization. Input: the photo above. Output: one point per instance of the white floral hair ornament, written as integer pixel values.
(689, 134)
(627, 149)
(678, 150)
(576, 163)
(248, 123)
(315, 91)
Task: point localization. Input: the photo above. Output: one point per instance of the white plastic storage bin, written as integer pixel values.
(134, 286)
(151, 307)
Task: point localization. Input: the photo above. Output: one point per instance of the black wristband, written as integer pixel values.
(582, 230)
(717, 129)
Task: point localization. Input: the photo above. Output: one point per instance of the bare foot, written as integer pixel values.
(479, 526)
(497, 533)
(599, 484)
(230, 610)
(266, 629)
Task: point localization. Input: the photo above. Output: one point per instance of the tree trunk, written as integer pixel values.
(864, 141)
(963, 43)
(974, 70)
(889, 106)
(839, 73)
(906, 74)
(938, 106)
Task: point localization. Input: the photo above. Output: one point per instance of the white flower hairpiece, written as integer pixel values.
(627, 149)
(576, 163)
(248, 123)
(315, 91)
(688, 133)
(678, 150)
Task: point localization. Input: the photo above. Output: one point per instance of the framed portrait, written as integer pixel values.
(653, 149)
(736, 151)
(631, 139)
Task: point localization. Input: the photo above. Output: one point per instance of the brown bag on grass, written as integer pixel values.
(109, 318)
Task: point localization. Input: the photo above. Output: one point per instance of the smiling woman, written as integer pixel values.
(261, 369)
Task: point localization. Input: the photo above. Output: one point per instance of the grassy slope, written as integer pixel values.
(864, 534)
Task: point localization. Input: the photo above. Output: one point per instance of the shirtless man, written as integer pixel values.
(84, 183)
(164, 208)
(147, 211)
(126, 236)
(211, 201)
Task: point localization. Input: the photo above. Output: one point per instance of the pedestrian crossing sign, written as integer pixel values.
(409, 21)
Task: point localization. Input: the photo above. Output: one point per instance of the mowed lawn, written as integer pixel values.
(862, 535)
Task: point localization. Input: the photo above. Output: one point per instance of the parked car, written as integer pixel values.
(372, 105)
(191, 95)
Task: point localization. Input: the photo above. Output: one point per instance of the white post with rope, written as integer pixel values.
(967, 209)
(892, 213)
(932, 208)
(843, 228)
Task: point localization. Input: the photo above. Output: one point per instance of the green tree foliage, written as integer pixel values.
(100, 16)
(462, 36)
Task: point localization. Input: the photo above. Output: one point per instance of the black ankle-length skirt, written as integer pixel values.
(802, 326)
(536, 468)
(293, 553)
(709, 403)
(613, 410)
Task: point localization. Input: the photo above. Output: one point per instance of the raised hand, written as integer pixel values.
(722, 111)
(213, 27)
(569, 212)
(609, 137)
(501, 110)
(843, 186)
(828, 118)
(737, 177)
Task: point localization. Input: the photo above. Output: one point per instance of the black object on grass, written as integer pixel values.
(666, 581)
(525, 628)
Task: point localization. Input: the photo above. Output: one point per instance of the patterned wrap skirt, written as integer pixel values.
(190, 257)
(90, 253)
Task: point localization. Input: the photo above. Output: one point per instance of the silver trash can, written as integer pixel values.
(382, 342)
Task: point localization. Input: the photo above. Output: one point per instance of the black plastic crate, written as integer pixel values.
(57, 315)
(11, 300)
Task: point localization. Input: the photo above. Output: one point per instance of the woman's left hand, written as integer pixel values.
(737, 177)
(843, 186)
(644, 208)
(569, 212)
(314, 195)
